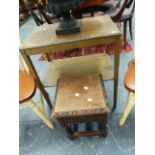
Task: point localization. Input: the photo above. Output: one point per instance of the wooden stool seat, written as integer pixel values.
(80, 96)
(27, 86)
(80, 100)
(129, 80)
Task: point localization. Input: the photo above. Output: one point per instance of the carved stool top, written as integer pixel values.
(80, 96)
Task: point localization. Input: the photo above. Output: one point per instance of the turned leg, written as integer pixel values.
(129, 106)
(39, 112)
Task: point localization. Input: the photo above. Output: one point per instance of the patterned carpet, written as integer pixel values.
(87, 51)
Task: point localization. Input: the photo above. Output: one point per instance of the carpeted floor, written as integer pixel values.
(37, 139)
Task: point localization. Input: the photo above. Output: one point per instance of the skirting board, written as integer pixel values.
(78, 66)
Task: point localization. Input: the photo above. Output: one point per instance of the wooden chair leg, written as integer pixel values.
(39, 112)
(36, 19)
(125, 27)
(129, 106)
(130, 27)
(42, 103)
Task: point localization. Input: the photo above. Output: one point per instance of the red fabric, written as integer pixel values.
(86, 51)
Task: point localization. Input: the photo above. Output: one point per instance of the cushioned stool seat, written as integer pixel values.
(81, 100)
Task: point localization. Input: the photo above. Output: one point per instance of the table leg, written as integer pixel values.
(36, 77)
(48, 57)
(116, 71)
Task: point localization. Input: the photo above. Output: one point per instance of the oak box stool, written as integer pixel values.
(81, 100)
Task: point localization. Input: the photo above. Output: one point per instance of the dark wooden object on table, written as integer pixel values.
(81, 100)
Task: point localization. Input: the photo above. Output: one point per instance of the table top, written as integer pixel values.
(91, 28)
(80, 96)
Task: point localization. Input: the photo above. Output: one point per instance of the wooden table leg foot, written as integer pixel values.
(102, 126)
(88, 126)
(69, 132)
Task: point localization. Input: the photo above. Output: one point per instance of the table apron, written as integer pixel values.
(73, 45)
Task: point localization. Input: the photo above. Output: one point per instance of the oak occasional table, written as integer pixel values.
(94, 31)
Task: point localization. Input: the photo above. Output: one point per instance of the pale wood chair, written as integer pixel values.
(129, 83)
(27, 89)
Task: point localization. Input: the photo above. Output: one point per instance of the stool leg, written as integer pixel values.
(69, 132)
(68, 128)
(129, 106)
(39, 112)
(102, 125)
(103, 128)
(75, 127)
